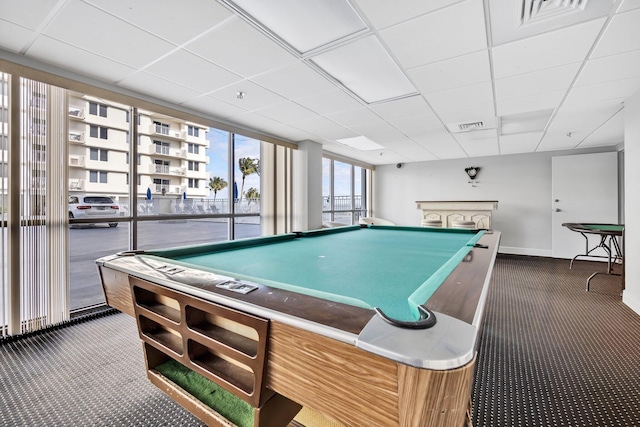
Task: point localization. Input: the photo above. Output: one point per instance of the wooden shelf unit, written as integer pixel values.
(224, 345)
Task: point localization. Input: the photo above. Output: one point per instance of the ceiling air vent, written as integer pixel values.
(533, 11)
(470, 126)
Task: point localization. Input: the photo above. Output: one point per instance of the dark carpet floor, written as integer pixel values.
(551, 354)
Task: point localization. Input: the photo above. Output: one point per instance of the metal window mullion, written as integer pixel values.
(232, 202)
(133, 178)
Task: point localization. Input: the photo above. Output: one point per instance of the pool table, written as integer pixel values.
(367, 325)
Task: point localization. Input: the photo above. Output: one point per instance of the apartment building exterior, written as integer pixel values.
(171, 153)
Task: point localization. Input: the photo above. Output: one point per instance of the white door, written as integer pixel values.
(584, 189)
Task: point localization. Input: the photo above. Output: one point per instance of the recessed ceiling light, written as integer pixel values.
(303, 25)
(534, 121)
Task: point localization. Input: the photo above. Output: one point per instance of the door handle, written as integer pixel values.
(557, 210)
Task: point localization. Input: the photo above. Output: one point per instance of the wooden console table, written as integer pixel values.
(478, 211)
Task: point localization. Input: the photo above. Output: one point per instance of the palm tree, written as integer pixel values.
(247, 166)
(252, 194)
(216, 184)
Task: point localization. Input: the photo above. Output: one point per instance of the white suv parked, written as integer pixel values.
(93, 206)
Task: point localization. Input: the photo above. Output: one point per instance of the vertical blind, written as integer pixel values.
(35, 281)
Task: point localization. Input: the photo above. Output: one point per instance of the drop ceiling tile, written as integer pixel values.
(412, 150)
(191, 71)
(468, 113)
(286, 112)
(416, 125)
(610, 133)
(447, 33)
(61, 54)
(355, 117)
(30, 15)
(385, 13)
(548, 80)
(621, 35)
(380, 132)
(334, 101)
(547, 50)
(520, 143)
(215, 107)
(584, 117)
(240, 48)
(324, 127)
(476, 135)
(553, 141)
(93, 30)
(628, 5)
(610, 68)
(481, 147)
(255, 97)
(13, 37)
(164, 19)
(452, 73)
(296, 81)
(365, 67)
(439, 142)
(148, 84)
(266, 125)
(477, 94)
(411, 106)
(530, 103)
(615, 90)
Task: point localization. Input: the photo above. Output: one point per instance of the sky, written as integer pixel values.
(218, 153)
(248, 147)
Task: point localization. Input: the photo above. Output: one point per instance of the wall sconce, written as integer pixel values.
(472, 172)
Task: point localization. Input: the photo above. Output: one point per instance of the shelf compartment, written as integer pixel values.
(162, 305)
(157, 333)
(231, 372)
(223, 330)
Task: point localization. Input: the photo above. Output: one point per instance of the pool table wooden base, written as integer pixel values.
(340, 381)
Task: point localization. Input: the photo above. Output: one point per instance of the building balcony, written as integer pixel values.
(76, 184)
(76, 137)
(166, 170)
(168, 189)
(167, 133)
(156, 150)
(76, 113)
(76, 161)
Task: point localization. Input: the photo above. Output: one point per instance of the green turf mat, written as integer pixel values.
(225, 403)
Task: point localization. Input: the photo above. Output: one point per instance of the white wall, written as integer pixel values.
(520, 183)
(631, 294)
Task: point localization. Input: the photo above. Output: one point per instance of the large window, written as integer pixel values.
(344, 191)
(194, 183)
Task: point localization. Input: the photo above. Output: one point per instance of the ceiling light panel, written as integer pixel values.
(527, 122)
(366, 69)
(361, 143)
(304, 25)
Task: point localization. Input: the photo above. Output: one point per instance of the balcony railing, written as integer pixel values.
(76, 113)
(76, 137)
(76, 184)
(76, 161)
(167, 132)
(158, 150)
(166, 170)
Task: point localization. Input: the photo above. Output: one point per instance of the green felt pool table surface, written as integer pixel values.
(393, 268)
